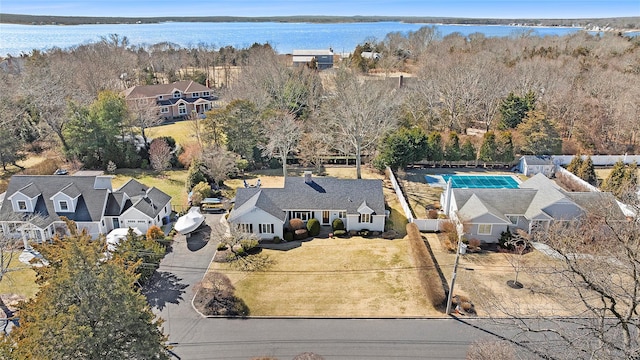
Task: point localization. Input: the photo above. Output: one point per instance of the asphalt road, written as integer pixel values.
(195, 337)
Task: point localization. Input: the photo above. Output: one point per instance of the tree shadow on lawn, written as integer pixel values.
(164, 287)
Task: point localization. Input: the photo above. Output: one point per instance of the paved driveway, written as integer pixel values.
(171, 290)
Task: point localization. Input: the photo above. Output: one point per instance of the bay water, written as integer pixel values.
(283, 37)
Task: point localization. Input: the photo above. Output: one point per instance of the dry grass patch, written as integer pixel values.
(171, 182)
(483, 277)
(20, 280)
(353, 277)
(183, 132)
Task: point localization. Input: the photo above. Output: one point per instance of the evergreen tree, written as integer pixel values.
(86, 308)
(539, 135)
(452, 150)
(514, 108)
(434, 144)
(141, 254)
(403, 147)
(468, 151)
(488, 148)
(575, 164)
(616, 178)
(587, 172)
(504, 147)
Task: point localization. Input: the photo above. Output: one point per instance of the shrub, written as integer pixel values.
(222, 246)
(432, 214)
(474, 243)
(337, 224)
(201, 191)
(313, 226)
(155, 233)
(296, 224)
(240, 251)
(288, 236)
(505, 238)
(276, 239)
(249, 244)
(301, 234)
(340, 233)
(427, 270)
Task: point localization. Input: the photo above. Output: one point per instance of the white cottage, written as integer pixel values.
(265, 211)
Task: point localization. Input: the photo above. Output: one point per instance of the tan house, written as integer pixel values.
(175, 101)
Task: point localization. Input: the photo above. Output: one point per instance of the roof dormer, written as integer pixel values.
(177, 94)
(66, 200)
(365, 209)
(25, 199)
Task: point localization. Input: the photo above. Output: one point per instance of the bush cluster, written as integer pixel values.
(300, 234)
(313, 226)
(427, 271)
(296, 224)
(340, 233)
(288, 236)
(337, 224)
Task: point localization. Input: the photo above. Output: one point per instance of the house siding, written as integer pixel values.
(257, 217)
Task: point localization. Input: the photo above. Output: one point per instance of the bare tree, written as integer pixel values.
(491, 350)
(283, 132)
(160, 155)
(312, 149)
(144, 114)
(219, 162)
(517, 247)
(596, 273)
(358, 113)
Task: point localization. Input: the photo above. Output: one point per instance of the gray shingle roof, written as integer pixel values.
(538, 160)
(499, 202)
(323, 193)
(185, 86)
(90, 204)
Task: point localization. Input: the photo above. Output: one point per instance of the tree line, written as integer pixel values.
(527, 94)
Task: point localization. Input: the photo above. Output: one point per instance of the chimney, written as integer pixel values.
(400, 81)
(307, 177)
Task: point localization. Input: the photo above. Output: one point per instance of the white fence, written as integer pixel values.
(423, 224)
(575, 178)
(598, 160)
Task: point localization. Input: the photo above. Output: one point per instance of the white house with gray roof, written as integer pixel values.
(32, 206)
(266, 211)
(530, 165)
(485, 213)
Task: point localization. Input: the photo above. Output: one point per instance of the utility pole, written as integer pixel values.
(461, 247)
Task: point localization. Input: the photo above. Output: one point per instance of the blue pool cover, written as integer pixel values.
(476, 181)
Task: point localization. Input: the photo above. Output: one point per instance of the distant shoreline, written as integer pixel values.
(623, 24)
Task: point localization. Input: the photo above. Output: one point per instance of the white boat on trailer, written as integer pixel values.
(189, 222)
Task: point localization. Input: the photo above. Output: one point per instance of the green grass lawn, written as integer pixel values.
(171, 182)
(20, 279)
(182, 132)
(353, 277)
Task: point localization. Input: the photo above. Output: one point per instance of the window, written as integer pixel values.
(195, 95)
(513, 219)
(176, 95)
(366, 218)
(160, 97)
(22, 205)
(164, 109)
(64, 206)
(182, 109)
(141, 222)
(484, 229)
(302, 215)
(205, 93)
(342, 214)
(245, 228)
(265, 228)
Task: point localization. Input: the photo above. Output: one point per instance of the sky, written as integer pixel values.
(257, 8)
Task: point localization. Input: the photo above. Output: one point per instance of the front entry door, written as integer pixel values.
(116, 223)
(325, 218)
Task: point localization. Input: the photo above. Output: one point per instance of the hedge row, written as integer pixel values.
(427, 272)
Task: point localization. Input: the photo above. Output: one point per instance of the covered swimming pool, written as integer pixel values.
(474, 181)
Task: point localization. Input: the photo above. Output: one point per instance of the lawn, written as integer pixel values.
(20, 280)
(172, 182)
(182, 132)
(353, 277)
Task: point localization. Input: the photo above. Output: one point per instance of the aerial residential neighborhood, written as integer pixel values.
(316, 187)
